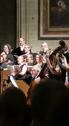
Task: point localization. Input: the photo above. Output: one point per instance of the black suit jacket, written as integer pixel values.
(18, 52)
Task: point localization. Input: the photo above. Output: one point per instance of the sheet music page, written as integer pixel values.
(13, 81)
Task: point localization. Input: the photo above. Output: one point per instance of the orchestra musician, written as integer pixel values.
(22, 73)
(29, 59)
(45, 49)
(7, 56)
(27, 49)
(20, 49)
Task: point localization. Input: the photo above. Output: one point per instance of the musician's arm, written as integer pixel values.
(65, 63)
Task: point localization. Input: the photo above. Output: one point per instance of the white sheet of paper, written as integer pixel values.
(13, 81)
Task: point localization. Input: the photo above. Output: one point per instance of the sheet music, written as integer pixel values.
(13, 81)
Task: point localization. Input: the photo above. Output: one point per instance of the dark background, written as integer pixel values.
(8, 22)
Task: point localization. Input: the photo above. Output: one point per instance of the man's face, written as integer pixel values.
(44, 47)
(21, 42)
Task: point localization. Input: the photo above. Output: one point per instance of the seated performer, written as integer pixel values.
(7, 56)
(22, 73)
(44, 47)
(29, 59)
(38, 59)
(27, 49)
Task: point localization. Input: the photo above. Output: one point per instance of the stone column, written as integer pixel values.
(21, 19)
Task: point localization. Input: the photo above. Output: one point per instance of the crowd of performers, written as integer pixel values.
(45, 63)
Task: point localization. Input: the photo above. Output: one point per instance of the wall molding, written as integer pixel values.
(21, 27)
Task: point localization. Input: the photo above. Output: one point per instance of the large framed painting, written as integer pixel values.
(53, 19)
